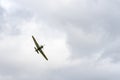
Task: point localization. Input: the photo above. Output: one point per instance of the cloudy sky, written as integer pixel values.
(81, 38)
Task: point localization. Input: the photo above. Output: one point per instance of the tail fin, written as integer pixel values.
(36, 50)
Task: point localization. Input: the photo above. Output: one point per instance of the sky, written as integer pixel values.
(80, 38)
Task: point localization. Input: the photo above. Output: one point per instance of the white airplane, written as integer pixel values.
(39, 48)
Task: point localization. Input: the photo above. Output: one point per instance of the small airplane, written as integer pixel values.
(39, 48)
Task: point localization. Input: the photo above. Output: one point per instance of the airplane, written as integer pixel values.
(39, 48)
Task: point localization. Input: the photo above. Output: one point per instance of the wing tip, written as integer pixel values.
(47, 59)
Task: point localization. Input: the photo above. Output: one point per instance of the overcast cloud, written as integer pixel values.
(81, 39)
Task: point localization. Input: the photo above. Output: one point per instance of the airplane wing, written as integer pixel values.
(37, 45)
(43, 54)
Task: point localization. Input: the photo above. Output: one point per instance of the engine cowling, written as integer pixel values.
(41, 47)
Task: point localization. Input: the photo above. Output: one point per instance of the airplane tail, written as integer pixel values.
(36, 50)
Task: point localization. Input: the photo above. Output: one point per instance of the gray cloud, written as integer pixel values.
(12, 19)
(91, 26)
(97, 23)
(79, 73)
(92, 29)
(1, 17)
